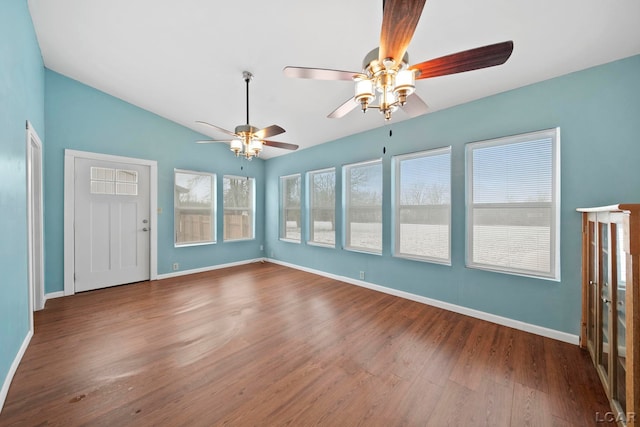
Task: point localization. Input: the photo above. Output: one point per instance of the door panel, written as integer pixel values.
(111, 223)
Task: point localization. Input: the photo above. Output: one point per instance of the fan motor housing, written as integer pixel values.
(373, 65)
(246, 129)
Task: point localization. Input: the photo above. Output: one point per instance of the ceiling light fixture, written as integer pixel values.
(388, 81)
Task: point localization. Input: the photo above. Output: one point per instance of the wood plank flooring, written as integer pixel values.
(264, 344)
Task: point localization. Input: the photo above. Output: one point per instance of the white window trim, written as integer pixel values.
(214, 216)
(253, 209)
(554, 134)
(310, 210)
(282, 226)
(396, 204)
(345, 214)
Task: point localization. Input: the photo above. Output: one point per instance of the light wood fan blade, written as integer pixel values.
(319, 73)
(468, 60)
(269, 131)
(415, 106)
(277, 144)
(343, 109)
(399, 21)
(228, 132)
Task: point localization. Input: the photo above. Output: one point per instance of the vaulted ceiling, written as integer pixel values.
(183, 60)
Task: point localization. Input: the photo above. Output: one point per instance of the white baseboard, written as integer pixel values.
(211, 268)
(52, 295)
(13, 368)
(505, 321)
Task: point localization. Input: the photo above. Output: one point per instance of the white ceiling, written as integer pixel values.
(183, 60)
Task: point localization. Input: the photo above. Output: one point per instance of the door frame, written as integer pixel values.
(35, 219)
(69, 210)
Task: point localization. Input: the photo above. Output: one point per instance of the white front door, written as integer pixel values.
(111, 232)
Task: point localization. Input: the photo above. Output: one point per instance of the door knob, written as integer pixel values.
(145, 229)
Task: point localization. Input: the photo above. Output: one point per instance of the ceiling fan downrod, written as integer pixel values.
(247, 76)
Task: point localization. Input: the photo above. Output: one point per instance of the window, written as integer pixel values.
(513, 204)
(363, 206)
(422, 205)
(322, 205)
(290, 208)
(239, 201)
(194, 205)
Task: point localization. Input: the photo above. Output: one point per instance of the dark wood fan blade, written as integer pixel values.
(343, 109)
(284, 145)
(415, 106)
(399, 22)
(269, 132)
(473, 59)
(318, 73)
(228, 132)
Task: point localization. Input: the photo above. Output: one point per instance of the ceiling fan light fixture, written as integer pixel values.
(255, 147)
(405, 85)
(364, 92)
(236, 146)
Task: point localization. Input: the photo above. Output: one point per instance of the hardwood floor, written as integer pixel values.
(263, 344)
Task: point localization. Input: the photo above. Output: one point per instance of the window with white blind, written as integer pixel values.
(513, 204)
(322, 204)
(239, 207)
(194, 208)
(290, 224)
(422, 205)
(363, 206)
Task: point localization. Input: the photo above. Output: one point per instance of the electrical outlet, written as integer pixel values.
(176, 266)
(362, 275)
(261, 247)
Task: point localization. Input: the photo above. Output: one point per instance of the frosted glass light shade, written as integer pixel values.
(364, 90)
(405, 81)
(235, 145)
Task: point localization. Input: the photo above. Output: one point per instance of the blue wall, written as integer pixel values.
(21, 99)
(82, 118)
(597, 111)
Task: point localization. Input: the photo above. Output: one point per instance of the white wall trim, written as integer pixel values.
(13, 368)
(210, 268)
(69, 202)
(35, 213)
(504, 321)
(52, 295)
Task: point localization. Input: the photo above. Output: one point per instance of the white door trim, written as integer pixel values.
(35, 244)
(69, 211)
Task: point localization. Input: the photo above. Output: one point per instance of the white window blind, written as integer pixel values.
(239, 202)
(422, 205)
(513, 204)
(322, 202)
(363, 206)
(194, 204)
(290, 224)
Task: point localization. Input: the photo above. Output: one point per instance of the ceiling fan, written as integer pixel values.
(248, 140)
(386, 73)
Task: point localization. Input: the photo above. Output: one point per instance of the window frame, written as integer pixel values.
(282, 217)
(554, 239)
(346, 193)
(397, 206)
(310, 204)
(213, 209)
(252, 209)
